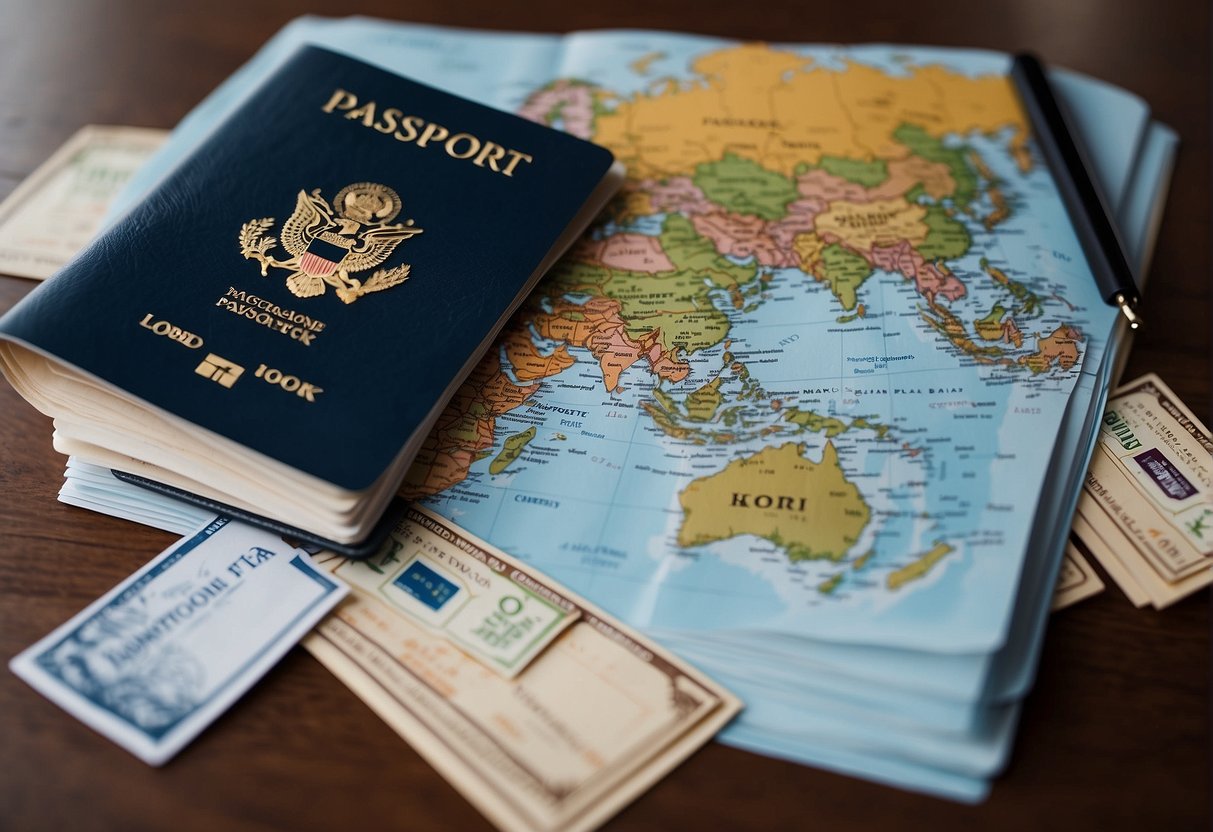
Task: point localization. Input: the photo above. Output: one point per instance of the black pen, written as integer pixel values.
(1083, 200)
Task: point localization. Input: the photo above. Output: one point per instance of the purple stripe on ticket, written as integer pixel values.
(1165, 475)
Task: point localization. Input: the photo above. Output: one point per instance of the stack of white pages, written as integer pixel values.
(813, 401)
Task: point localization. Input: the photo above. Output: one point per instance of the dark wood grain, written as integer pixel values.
(1115, 734)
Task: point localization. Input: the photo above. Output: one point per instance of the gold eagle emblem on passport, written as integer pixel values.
(328, 243)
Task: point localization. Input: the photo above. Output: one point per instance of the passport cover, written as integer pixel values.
(312, 279)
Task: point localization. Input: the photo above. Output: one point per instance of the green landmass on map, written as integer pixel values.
(813, 421)
(701, 405)
(866, 172)
(947, 239)
(745, 187)
(844, 272)
(732, 197)
(511, 450)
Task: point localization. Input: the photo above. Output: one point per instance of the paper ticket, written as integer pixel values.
(1077, 580)
(1140, 583)
(161, 655)
(1102, 551)
(1148, 497)
(60, 207)
(542, 710)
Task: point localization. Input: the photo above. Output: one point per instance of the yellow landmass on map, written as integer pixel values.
(809, 509)
(919, 567)
(778, 109)
(641, 65)
(862, 225)
(808, 248)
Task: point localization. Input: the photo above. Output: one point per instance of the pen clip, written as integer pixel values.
(1128, 305)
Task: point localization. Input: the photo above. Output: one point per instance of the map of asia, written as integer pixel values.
(806, 373)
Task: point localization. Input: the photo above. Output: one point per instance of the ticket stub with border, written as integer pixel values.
(1149, 491)
(61, 206)
(1077, 580)
(587, 715)
(160, 656)
(1085, 537)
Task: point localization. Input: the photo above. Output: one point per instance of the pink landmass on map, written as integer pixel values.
(818, 184)
(566, 104)
(598, 326)
(930, 279)
(799, 220)
(935, 178)
(677, 195)
(743, 236)
(631, 252)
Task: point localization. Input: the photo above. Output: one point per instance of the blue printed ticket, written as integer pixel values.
(162, 654)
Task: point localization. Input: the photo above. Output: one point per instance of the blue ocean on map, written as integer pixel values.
(873, 660)
(599, 483)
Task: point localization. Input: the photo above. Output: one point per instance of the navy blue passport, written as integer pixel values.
(274, 328)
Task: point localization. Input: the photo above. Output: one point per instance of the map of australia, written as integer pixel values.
(789, 363)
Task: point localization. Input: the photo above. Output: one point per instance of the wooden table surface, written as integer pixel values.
(1115, 734)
